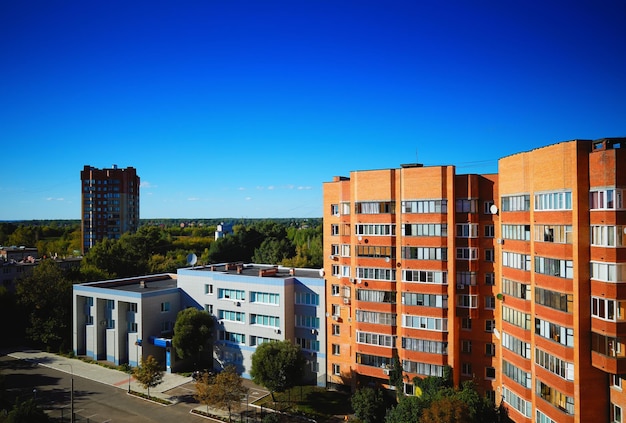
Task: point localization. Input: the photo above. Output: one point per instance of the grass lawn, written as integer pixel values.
(312, 401)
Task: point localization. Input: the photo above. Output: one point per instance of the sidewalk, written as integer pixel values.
(97, 373)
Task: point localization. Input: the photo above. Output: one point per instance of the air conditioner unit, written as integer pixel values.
(500, 241)
(237, 303)
(359, 281)
(335, 318)
(313, 332)
(386, 371)
(276, 330)
(346, 300)
(352, 280)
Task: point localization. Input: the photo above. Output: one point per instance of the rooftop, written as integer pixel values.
(261, 270)
(139, 284)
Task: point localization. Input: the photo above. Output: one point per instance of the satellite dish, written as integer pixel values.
(493, 209)
(192, 259)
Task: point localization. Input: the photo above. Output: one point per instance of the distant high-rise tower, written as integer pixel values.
(110, 203)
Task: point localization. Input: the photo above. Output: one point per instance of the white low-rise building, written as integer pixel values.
(122, 320)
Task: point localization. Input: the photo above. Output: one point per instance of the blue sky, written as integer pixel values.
(244, 108)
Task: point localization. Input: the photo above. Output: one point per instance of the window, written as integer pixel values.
(424, 345)
(542, 418)
(489, 231)
(376, 273)
(208, 308)
(466, 323)
(490, 278)
(607, 345)
(375, 230)
(425, 276)
(556, 300)
(516, 374)
(466, 278)
(466, 369)
(336, 370)
(132, 327)
(335, 290)
(423, 322)
(308, 344)
(422, 368)
(487, 207)
(334, 230)
(306, 298)
(516, 232)
(334, 209)
(336, 310)
(266, 298)
(490, 373)
(231, 316)
(132, 307)
(516, 289)
(334, 250)
(490, 302)
(467, 301)
(166, 326)
(467, 253)
(515, 203)
(345, 208)
(336, 349)
(263, 320)
(336, 330)
(425, 300)
(363, 316)
(608, 236)
(425, 206)
(424, 229)
(515, 401)
(558, 234)
(165, 306)
(557, 333)
(231, 294)
(554, 267)
(306, 321)
(466, 206)
(375, 251)
(235, 338)
(516, 317)
(466, 230)
(489, 255)
(554, 364)
(369, 295)
(490, 349)
(375, 339)
(208, 289)
(466, 346)
(553, 201)
(607, 309)
(518, 346)
(616, 413)
(516, 260)
(606, 199)
(375, 207)
(608, 272)
(490, 325)
(425, 253)
(554, 397)
(616, 382)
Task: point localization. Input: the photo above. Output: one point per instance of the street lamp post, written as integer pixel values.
(72, 419)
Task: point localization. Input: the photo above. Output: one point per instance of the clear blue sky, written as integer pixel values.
(244, 108)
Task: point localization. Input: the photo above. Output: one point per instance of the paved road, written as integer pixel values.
(93, 400)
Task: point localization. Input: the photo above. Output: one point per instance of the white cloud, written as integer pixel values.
(55, 199)
(146, 184)
(242, 188)
(248, 198)
(305, 188)
(271, 187)
(193, 199)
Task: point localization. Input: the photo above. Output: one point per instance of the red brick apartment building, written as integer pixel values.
(513, 279)
(109, 203)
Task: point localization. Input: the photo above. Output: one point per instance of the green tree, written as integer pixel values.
(148, 373)
(277, 366)
(408, 410)
(26, 412)
(225, 391)
(46, 298)
(368, 405)
(447, 410)
(273, 251)
(192, 333)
